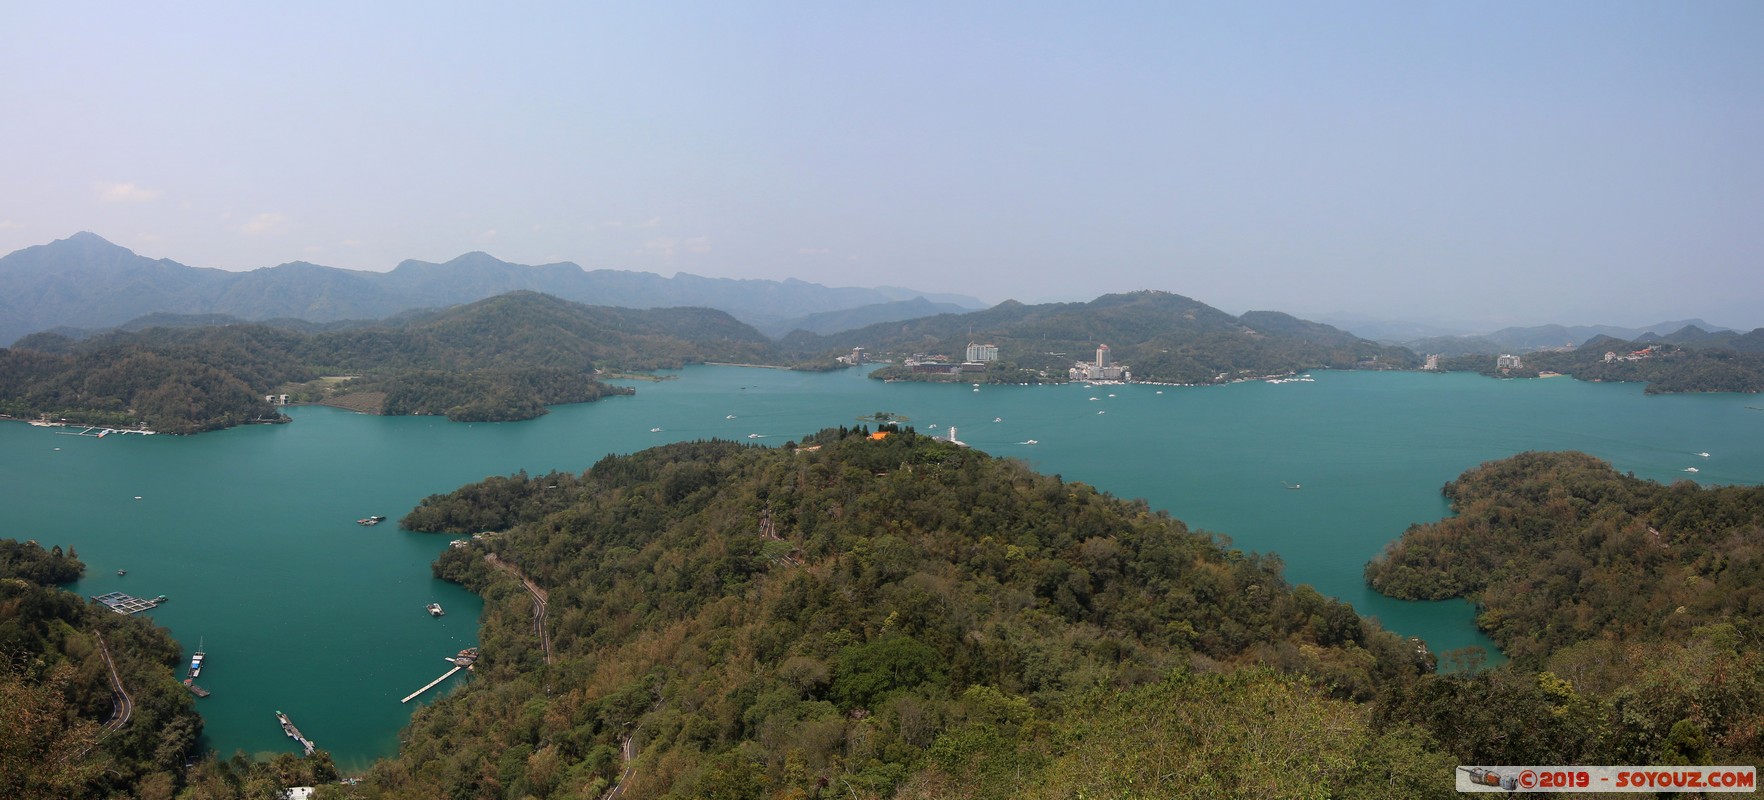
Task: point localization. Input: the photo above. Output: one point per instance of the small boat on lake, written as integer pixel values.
(435, 610)
(121, 572)
(196, 661)
(1690, 469)
(370, 521)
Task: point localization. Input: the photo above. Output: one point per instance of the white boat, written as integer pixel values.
(731, 416)
(1690, 469)
(1705, 455)
(1093, 398)
(1102, 412)
(1160, 391)
(435, 610)
(754, 436)
(655, 430)
(1030, 441)
(1111, 394)
(976, 388)
(998, 419)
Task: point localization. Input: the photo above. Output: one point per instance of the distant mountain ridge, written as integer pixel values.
(84, 281)
(1542, 337)
(831, 322)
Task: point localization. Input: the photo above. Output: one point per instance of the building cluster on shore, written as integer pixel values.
(1103, 369)
(978, 356)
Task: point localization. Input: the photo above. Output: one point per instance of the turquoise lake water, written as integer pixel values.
(251, 532)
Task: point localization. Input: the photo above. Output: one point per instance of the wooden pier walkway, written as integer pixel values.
(432, 684)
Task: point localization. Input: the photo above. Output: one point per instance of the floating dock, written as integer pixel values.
(190, 683)
(127, 604)
(294, 733)
(101, 432)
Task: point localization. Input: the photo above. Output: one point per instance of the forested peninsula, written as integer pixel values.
(89, 704)
(504, 358)
(1629, 608)
(889, 617)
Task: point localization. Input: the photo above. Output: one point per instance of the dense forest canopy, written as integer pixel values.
(1629, 609)
(1559, 548)
(861, 617)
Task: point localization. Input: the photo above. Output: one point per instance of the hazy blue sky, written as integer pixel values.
(1522, 162)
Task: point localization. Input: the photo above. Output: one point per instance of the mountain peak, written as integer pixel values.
(88, 242)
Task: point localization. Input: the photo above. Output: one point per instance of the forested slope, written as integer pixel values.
(895, 617)
(1629, 610)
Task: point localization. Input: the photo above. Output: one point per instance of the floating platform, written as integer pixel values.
(190, 683)
(127, 604)
(294, 733)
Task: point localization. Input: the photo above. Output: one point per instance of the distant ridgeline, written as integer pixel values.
(502, 358)
(1631, 610)
(84, 281)
(888, 617)
(1163, 337)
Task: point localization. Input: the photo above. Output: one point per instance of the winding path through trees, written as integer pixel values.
(539, 600)
(124, 709)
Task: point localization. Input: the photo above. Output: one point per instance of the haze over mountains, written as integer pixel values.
(84, 281)
(84, 284)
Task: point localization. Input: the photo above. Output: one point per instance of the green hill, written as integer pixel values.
(1164, 337)
(898, 617)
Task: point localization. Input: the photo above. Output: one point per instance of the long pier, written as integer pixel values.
(101, 432)
(432, 684)
(294, 733)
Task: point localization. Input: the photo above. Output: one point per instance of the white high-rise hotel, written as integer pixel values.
(1103, 369)
(982, 352)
